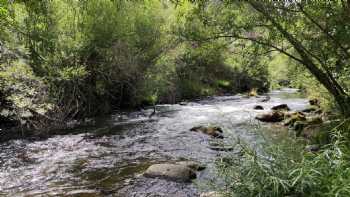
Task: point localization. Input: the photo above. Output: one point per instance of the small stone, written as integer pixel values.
(258, 107)
(314, 102)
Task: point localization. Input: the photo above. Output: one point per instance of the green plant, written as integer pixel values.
(286, 169)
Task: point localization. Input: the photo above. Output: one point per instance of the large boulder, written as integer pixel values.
(172, 172)
(212, 131)
(281, 107)
(274, 116)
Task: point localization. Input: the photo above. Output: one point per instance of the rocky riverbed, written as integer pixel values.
(110, 157)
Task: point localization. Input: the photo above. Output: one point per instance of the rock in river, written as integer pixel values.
(281, 107)
(293, 117)
(314, 102)
(212, 131)
(258, 107)
(274, 116)
(173, 172)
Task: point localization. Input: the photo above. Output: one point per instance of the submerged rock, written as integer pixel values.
(267, 98)
(258, 107)
(172, 172)
(275, 116)
(183, 103)
(212, 131)
(283, 107)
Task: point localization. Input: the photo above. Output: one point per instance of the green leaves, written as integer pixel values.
(26, 99)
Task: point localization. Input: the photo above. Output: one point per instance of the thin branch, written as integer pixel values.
(336, 42)
(255, 41)
(323, 77)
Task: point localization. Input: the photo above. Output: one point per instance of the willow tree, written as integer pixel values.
(315, 34)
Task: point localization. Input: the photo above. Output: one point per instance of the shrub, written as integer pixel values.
(24, 95)
(285, 169)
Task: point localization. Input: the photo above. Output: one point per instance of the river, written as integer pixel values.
(108, 157)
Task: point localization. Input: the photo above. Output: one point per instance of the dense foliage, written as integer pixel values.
(312, 34)
(71, 59)
(63, 60)
(286, 169)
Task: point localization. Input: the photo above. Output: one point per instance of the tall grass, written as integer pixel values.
(287, 169)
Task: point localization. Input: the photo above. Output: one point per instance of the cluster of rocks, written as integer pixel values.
(183, 171)
(297, 120)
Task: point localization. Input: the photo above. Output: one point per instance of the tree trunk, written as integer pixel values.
(344, 104)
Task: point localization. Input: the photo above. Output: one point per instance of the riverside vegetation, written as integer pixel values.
(65, 60)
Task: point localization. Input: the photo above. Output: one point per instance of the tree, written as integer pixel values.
(313, 33)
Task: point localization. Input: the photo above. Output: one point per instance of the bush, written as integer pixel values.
(24, 96)
(285, 169)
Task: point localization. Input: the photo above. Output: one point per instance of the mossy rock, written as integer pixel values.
(275, 116)
(291, 118)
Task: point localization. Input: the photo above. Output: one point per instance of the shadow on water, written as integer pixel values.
(109, 157)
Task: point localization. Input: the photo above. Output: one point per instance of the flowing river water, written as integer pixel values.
(108, 157)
